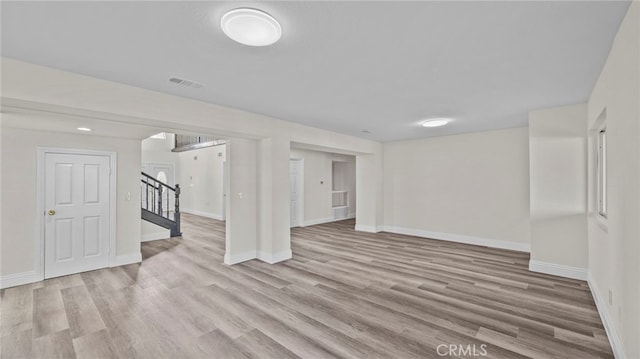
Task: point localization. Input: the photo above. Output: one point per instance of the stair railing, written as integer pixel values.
(157, 198)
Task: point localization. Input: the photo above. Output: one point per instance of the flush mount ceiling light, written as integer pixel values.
(436, 122)
(251, 27)
(86, 129)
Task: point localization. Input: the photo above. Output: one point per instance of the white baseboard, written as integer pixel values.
(239, 258)
(370, 229)
(612, 333)
(460, 238)
(273, 258)
(12, 280)
(203, 214)
(155, 236)
(128, 259)
(263, 256)
(558, 269)
(313, 222)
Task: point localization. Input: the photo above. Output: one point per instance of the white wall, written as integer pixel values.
(1, 196)
(466, 187)
(199, 173)
(19, 149)
(614, 244)
(558, 177)
(23, 81)
(155, 150)
(318, 184)
(369, 188)
(32, 86)
(242, 202)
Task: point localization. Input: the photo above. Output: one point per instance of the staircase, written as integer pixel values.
(160, 204)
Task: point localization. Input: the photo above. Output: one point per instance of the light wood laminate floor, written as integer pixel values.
(344, 294)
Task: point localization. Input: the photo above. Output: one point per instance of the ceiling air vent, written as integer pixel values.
(183, 82)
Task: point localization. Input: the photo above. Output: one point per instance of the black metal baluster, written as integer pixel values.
(176, 214)
(153, 205)
(146, 196)
(157, 208)
(160, 199)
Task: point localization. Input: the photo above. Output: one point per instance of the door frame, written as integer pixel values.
(300, 180)
(40, 205)
(169, 164)
(225, 189)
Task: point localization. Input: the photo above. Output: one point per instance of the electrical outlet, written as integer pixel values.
(610, 297)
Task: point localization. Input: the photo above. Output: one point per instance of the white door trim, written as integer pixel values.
(40, 210)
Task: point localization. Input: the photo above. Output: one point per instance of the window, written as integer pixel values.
(162, 177)
(601, 167)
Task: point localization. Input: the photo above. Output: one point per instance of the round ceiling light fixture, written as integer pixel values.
(251, 27)
(436, 122)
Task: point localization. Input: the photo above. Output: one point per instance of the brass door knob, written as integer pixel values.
(52, 212)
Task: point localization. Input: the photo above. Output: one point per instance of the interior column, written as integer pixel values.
(369, 210)
(240, 201)
(274, 240)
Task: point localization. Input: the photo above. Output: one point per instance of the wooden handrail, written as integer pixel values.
(149, 183)
(160, 182)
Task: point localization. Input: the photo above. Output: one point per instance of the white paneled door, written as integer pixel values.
(76, 214)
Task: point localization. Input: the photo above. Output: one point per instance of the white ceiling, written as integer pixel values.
(341, 66)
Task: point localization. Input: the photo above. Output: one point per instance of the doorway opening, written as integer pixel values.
(322, 186)
(194, 164)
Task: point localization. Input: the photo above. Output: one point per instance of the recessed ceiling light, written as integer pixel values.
(436, 122)
(86, 129)
(251, 27)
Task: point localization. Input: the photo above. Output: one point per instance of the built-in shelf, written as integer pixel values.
(340, 203)
(343, 181)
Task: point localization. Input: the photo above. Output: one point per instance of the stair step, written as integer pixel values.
(162, 221)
